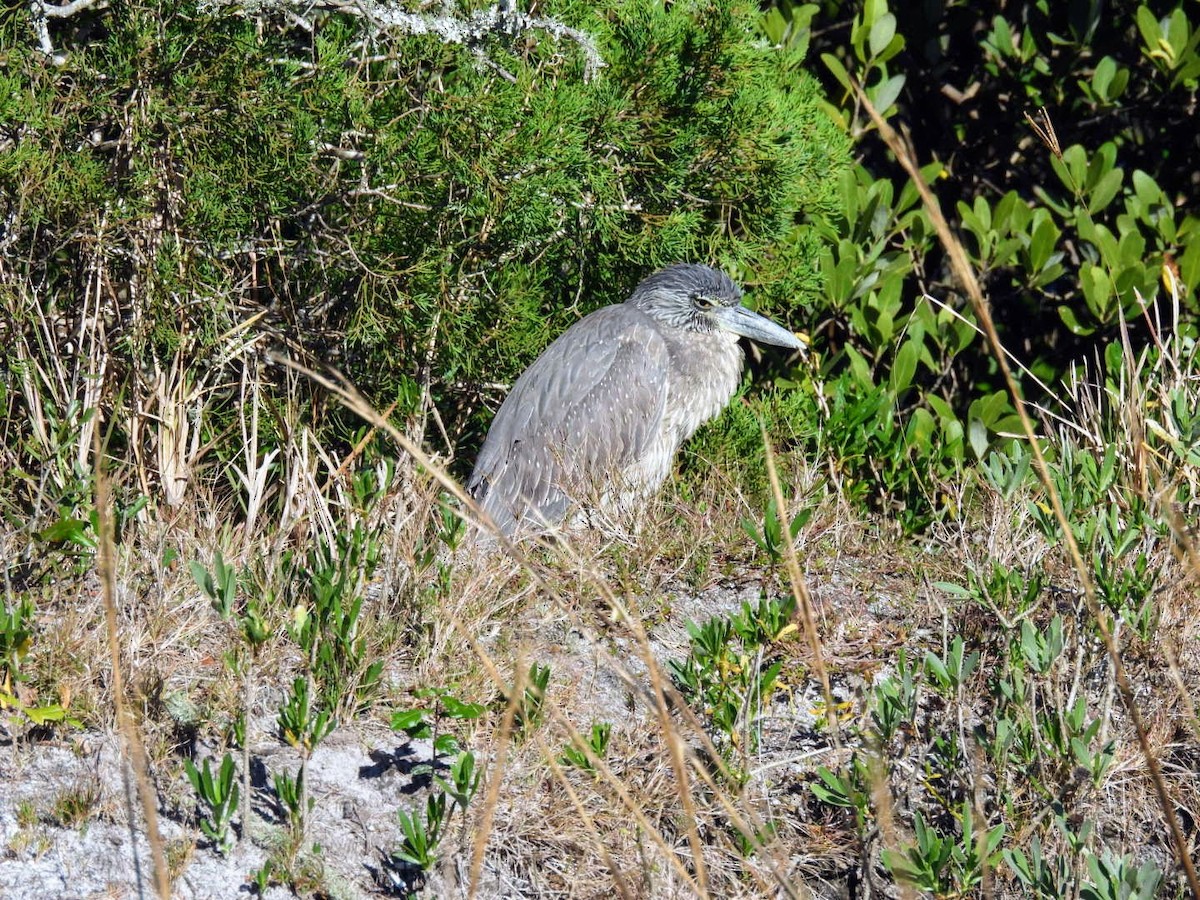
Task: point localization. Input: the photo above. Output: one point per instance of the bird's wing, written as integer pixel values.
(586, 408)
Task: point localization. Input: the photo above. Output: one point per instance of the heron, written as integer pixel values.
(604, 409)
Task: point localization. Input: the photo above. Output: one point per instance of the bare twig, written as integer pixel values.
(803, 597)
(40, 11)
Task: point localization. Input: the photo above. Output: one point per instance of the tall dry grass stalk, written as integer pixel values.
(135, 751)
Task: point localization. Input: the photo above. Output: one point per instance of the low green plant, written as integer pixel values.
(879, 460)
(728, 674)
(770, 537)
(26, 814)
(1126, 588)
(17, 631)
(327, 620)
(597, 743)
(748, 845)
(1040, 648)
(849, 789)
(303, 723)
(221, 587)
(220, 796)
(948, 674)
(434, 553)
(1007, 470)
(426, 722)
(422, 835)
(16, 638)
(463, 782)
(292, 797)
(1119, 878)
(263, 877)
(531, 705)
(1038, 743)
(894, 701)
(946, 863)
(1042, 877)
(1008, 591)
(74, 806)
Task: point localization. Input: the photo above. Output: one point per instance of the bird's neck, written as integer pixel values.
(705, 371)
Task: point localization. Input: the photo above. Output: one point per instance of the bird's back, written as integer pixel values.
(587, 408)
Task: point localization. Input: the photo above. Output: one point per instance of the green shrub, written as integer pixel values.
(426, 215)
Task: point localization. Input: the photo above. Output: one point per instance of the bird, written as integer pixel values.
(601, 413)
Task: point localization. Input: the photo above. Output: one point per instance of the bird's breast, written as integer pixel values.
(704, 373)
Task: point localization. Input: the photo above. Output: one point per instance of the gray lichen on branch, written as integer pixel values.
(40, 11)
(503, 18)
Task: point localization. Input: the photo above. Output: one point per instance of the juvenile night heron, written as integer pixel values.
(602, 412)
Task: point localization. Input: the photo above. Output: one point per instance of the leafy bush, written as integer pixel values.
(1079, 221)
(422, 213)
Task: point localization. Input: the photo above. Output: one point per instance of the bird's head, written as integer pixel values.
(704, 300)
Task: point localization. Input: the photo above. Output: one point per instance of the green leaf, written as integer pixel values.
(445, 744)
(1148, 26)
(833, 791)
(1105, 190)
(203, 578)
(457, 709)
(1102, 77)
(837, 70)
(921, 429)
(1147, 191)
(1177, 33)
(1120, 82)
(68, 530)
(977, 437)
(859, 367)
(1041, 246)
(885, 94)
(905, 366)
(1072, 168)
(1002, 38)
(1102, 162)
(937, 668)
(40, 715)
(882, 33)
(956, 590)
(1020, 865)
(1009, 209)
(1132, 248)
(1072, 322)
(1097, 291)
(409, 719)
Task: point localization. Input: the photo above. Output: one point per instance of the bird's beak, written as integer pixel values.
(742, 321)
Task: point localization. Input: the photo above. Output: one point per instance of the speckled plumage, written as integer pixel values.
(602, 412)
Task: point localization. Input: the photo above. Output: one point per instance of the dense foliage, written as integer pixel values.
(424, 210)
(1057, 138)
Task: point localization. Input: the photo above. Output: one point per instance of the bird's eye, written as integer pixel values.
(703, 301)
